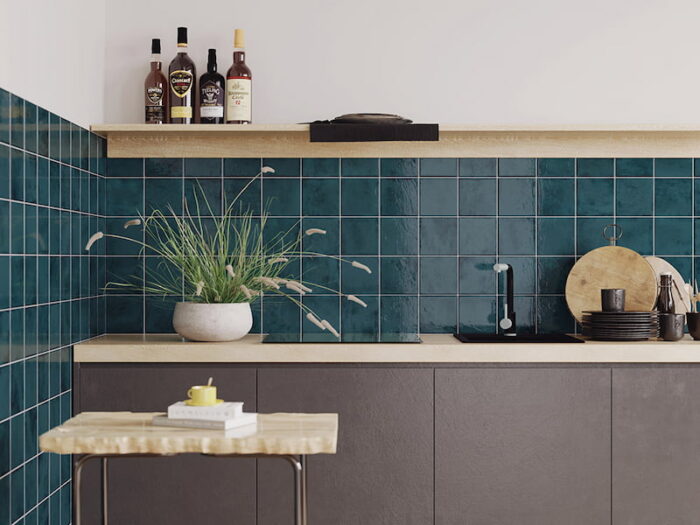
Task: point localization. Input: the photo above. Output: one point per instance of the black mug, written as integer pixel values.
(612, 299)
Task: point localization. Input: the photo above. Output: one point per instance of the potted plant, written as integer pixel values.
(220, 265)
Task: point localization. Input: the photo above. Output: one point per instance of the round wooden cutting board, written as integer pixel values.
(610, 267)
(681, 297)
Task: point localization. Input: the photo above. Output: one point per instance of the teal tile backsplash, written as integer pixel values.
(52, 190)
(430, 229)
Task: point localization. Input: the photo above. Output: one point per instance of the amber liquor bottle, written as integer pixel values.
(182, 78)
(211, 93)
(156, 89)
(239, 80)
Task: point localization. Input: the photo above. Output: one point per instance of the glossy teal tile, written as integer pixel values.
(324, 273)
(125, 314)
(399, 236)
(516, 196)
(320, 168)
(125, 167)
(328, 243)
(398, 167)
(438, 196)
(162, 194)
(399, 275)
(327, 308)
(589, 233)
(4, 171)
(673, 237)
(320, 197)
(399, 314)
(552, 273)
(438, 315)
(553, 316)
(283, 167)
(5, 504)
(159, 167)
(125, 196)
(360, 236)
(17, 175)
(555, 197)
(439, 167)
(634, 196)
(638, 234)
(4, 116)
(477, 197)
(210, 168)
(235, 167)
(359, 167)
(42, 131)
(16, 121)
(244, 194)
(595, 167)
(555, 236)
(634, 167)
(477, 236)
(399, 196)
(282, 196)
(477, 314)
(595, 197)
(439, 275)
(525, 271)
(358, 281)
(4, 227)
(42, 182)
(674, 197)
(684, 265)
(203, 197)
(478, 167)
(476, 275)
(281, 316)
(516, 236)
(159, 314)
(673, 167)
(516, 167)
(360, 197)
(358, 321)
(438, 236)
(556, 168)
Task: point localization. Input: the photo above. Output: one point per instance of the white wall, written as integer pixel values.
(451, 61)
(53, 55)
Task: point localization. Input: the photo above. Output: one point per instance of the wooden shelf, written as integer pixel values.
(292, 140)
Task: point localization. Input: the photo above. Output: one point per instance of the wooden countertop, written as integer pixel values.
(133, 433)
(435, 348)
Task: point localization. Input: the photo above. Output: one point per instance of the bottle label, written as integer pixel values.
(211, 100)
(155, 114)
(181, 112)
(181, 82)
(154, 94)
(238, 98)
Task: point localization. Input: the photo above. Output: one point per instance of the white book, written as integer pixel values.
(219, 412)
(245, 419)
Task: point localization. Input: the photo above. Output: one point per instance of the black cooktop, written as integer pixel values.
(344, 338)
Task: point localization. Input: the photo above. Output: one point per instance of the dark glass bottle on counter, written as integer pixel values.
(182, 78)
(664, 304)
(239, 85)
(212, 89)
(156, 89)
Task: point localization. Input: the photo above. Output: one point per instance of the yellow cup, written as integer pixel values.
(202, 395)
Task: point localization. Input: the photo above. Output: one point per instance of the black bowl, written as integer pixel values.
(693, 319)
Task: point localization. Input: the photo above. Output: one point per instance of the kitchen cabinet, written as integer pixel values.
(383, 471)
(181, 490)
(525, 446)
(656, 446)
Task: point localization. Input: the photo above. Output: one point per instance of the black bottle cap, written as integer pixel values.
(181, 35)
(155, 46)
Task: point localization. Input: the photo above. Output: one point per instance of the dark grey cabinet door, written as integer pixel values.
(383, 471)
(181, 490)
(525, 446)
(656, 446)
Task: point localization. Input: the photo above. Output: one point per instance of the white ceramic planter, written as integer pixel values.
(212, 322)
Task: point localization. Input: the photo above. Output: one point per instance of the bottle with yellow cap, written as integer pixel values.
(239, 85)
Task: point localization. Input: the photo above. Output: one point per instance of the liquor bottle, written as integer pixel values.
(239, 85)
(182, 77)
(156, 89)
(665, 303)
(211, 93)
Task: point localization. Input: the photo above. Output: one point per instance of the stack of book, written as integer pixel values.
(223, 416)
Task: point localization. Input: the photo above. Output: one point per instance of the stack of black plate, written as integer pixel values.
(620, 326)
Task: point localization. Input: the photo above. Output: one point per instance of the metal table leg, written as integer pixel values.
(105, 492)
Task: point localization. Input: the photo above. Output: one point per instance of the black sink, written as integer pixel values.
(518, 338)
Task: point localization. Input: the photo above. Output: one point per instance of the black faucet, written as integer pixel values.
(507, 322)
